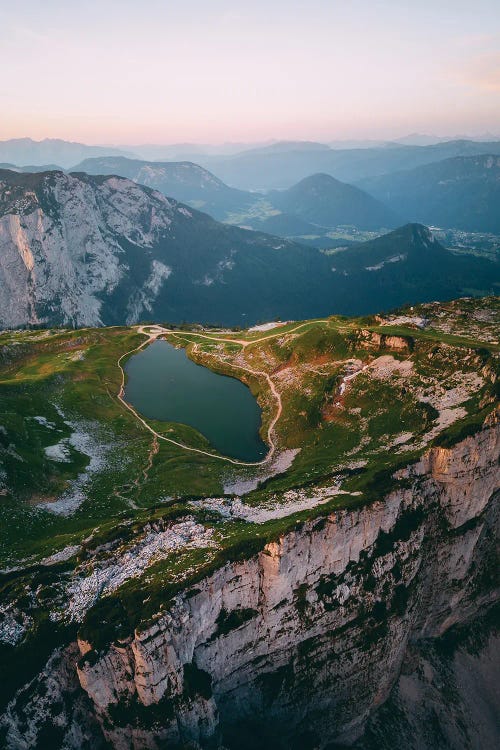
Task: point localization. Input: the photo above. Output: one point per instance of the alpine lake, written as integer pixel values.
(162, 383)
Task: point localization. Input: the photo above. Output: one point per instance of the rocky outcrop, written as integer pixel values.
(374, 340)
(299, 646)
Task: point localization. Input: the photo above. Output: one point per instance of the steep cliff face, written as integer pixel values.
(63, 242)
(300, 645)
(376, 341)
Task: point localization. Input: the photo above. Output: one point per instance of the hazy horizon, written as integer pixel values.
(260, 142)
(151, 73)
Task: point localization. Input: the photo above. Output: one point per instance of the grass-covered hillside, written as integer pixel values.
(103, 518)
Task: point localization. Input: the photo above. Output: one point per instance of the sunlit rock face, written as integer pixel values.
(63, 242)
(302, 645)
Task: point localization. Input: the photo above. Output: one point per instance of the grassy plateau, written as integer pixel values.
(87, 491)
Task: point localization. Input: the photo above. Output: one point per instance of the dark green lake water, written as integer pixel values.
(163, 383)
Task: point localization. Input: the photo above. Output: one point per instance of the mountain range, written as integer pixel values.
(451, 184)
(184, 181)
(264, 169)
(268, 166)
(21, 151)
(31, 167)
(89, 250)
(462, 192)
(318, 201)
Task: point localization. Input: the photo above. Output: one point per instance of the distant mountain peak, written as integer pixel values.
(319, 178)
(323, 200)
(416, 230)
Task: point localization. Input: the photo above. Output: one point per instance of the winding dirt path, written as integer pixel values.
(159, 330)
(152, 332)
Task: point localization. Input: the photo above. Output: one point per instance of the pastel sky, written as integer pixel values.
(137, 71)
